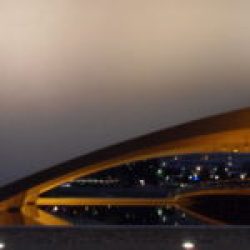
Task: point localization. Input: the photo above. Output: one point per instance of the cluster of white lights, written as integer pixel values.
(66, 185)
(95, 181)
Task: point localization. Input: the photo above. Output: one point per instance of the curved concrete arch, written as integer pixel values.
(228, 132)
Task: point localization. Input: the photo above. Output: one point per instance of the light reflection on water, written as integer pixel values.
(210, 209)
(122, 215)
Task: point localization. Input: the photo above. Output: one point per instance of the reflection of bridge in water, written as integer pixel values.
(181, 199)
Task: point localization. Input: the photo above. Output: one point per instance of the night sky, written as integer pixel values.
(77, 75)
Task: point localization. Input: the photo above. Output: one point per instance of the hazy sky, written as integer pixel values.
(77, 75)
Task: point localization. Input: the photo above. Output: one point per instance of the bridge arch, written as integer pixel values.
(228, 132)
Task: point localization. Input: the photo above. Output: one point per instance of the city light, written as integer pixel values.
(164, 219)
(188, 245)
(187, 170)
(236, 150)
(142, 182)
(55, 209)
(163, 164)
(2, 245)
(159, 212)
(243, 176)
(216, 177)
(66, 185)
(198, 168)
(206, 157)
(159, 171)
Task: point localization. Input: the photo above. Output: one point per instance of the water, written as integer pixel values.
(233, 210)
(204, 210)
(122, 215)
